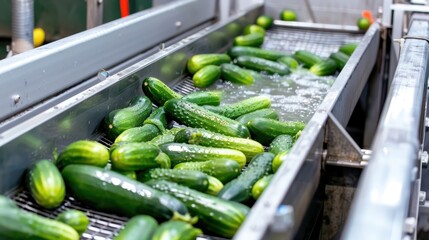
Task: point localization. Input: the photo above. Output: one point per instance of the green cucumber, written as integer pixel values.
(236, 74)
(240, 189)
(6, 203)
(190, 178)
(260, 64)
(265, 21)
(136, 156)
(251, 40)
(348, 48)
(324, 68)
(158, 92)
(176, 230)
(18, 224)
(193, 115)
(297, 135)
(340, 58)
(249, 29)
(199, 61)
(141, 227)
(75, 219)
(130, 174)
(181, 152)
(84, 152)
(237, 51)
(46, 184)
(289, 61)
(206, 76)
(259, 187)
(281, 143)
(134, 115)
(223, 169)
(265, 130)
(112, 192)
(204, 98)
(215, 215)
(166, 137)
(242, 107)
(307, 58)
(278, 160)
(215, 185)
(262, 113)
(210, 139)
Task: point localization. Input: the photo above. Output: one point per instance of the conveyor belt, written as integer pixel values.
(105, 226)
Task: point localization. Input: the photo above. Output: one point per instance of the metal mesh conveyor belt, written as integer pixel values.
(105, 226)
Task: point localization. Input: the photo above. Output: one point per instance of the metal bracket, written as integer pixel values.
(341, 149)
(94, 13)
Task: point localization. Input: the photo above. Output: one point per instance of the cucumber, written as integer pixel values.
(242, 107)
(289, 61)
(112, 192)
(157, 91)
(190, 178)
(17, 224)
(210, 139)
(130, 174)
(260, 64)
(265, 130)
(46, 184)
(281, 143)
(199, 61)
(253, 29)
(181, 152)
(134, 115)
(324, 68)
(141, 227)
(206, 76)
(223, 169)
(307, 58)
(84, 152)
(215, 215)
(278, 160)
(166, 137)
(75, 219)
(265, 21)
(6, 203)
(262, 113)
(259, 187)
(340, 59)
(240, 189)
(297, 135)
(176, 230)
(215, 185)
(236, 74)
(348, 48)
(204, 98)
(252, 40)
(154, 125)
(193, 115)
(136, 156)
(237, 51)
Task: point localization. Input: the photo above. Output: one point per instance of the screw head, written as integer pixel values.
(16, 98)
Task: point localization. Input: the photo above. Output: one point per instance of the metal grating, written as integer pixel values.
(104, 226)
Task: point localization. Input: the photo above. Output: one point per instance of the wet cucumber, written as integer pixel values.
(260, 185)
(136, 156)
(242, 107)
(46, 184)
(6, 203)
(181, 152)
(265, 21)
(199, 61)
(265, 130)
(204, 98)
(253, 29)
(166, 137)
(206, 76)
(140, 227)
(75, 219)
(324, 68)
(278, 160)
(210, 139)
(240, 189)
(84, 152)
(262, 113)
(236, 74)
(176, 230)
(112, 192)
(193, 115)
(215, 185)
(157, 91)
(223, 169)
(340, 58)
(190, 178)
(348, 48)
(237, 51)
(289, 61)
(251, 40)
(260, 64)
(307, 58)
(214, 215)
(281, 143)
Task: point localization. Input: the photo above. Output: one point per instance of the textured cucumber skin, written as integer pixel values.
(84, 152)
(134, 156)
(281, 143)
(166, 137)
(242, 107)
(235, 74)
(193, 115)
(158, 92)
(176, 230)
(289, 61)
(260, 64)
(307, 58)
(325, 68)
(112, 192)
(140, 227)
(251, 40)
(265, 21)
(278, 160)
(206, 76)
(249, 29)
(215, 215)
(265, 130)
(75, 219)
(262, 113)
(204, 98)
(223, 169)
(46, 184)
(215, 185)
(260, 185)
(199, 61)
(6, 202)
(240, 189)
(340, 59)
(348, 48)
(272, 55)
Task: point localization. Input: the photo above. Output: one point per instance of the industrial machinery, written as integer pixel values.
(331, 185)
